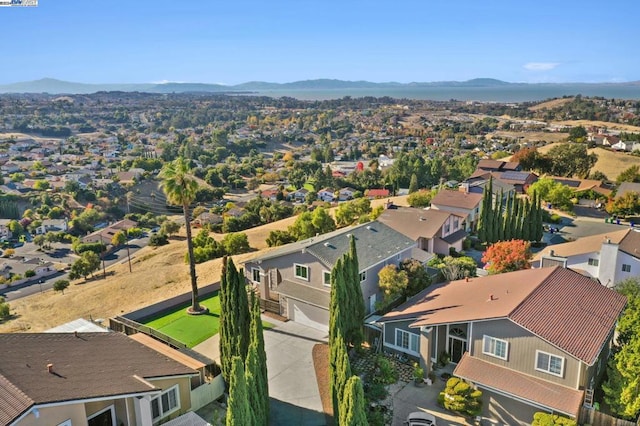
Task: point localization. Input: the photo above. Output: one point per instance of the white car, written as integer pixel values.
(420, 418)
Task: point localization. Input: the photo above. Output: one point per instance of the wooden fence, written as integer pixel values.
(598, 418)
(270, 306)
(127, 326)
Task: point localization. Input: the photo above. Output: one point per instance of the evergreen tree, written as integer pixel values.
(484, 221)
(238, 411)
(256, 366)
(526, 222)
(508, 218)
(234, 317)
(355, 302)
(336, 328)
(500, 218)
(514, 219)
(341, 373)
(352, 411)
(538, 231)
(413, 185)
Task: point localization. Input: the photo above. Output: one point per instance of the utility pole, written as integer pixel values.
(104, 252)
(126, 233)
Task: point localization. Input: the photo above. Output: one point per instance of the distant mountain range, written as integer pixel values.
(54, 86)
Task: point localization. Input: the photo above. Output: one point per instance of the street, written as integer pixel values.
(61, 254)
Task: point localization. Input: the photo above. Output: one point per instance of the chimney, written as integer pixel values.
(50, 368)
(466, 279)
(552, 253)
(491, 298)
(75, 333)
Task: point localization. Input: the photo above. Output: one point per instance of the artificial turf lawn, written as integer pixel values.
(192, 329)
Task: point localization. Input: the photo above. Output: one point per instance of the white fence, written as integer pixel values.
(209, 392)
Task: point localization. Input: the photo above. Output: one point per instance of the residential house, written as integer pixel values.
(346, 194)
(299, 195)
(582, 185)
(466, 204)
(609, 258)
(206, 218)
(435, 231)
(105, 235)
(52, 225)
(326, 194)
(270, 194)
(532, 340)
(498, 166)
(5, 234)
(477, 182)
(622, 146)
(377, 193)
(627, 187)
(298, 275)
(521, 181)
(89, 379)
(19, 265)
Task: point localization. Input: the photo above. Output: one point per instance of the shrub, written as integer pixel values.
(158, 240)
(461, 397)
(375, 392)
(546, 419)
(4, 309)
(30, 273)
(387, 373)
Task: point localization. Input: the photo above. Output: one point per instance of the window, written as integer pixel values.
(165, 404)
(66, 423)
(626, 268)
(255, 275)
(593, 262)
(363, 276)
(494, 347)
(406, 340)
(447, 228)
(549, 363)
(456, 223)
(302, 272)
(326, 278)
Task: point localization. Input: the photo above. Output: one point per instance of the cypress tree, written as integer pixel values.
(508, 218)
(227, 339)
(336, 329)
(518, 224)
(256, 367)
(500, 218)
(413, 184)
(238, 411)
(484, 221)
(526, 221)
(242, 311)
(355, 301)
(340, 374)
(538, 204)
(352, 411)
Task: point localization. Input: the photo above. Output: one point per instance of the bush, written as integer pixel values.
(30, 273)
(4, 309)
(158, 240)
(459, 396)
(386, 373)
(375, 392)
(546, 419)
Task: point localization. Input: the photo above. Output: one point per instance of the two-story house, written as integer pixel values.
(89, 379)
(435, 231)
(533, 340)
(463, 203)
(610, 257)
(298, 275)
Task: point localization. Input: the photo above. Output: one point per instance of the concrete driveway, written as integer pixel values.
(411, 398)
(293, 388)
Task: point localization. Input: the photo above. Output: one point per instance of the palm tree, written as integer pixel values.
(180, 187)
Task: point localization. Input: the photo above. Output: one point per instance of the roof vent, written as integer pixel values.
(369, 227)
(491, 298)
(326, 244)
(50, 368)
(348, 235)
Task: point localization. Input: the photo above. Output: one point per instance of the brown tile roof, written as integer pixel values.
(630, 244)
(457, 199)
(590, 244)
(467, 301)
(571, 312)
(14, 401)
(568, 310)
(415, 223)
(485, 374)
(89, 365)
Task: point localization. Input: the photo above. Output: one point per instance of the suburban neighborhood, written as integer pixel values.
(213, 259)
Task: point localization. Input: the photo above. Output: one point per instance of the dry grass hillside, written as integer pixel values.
(610, 163)
(158, 273)
(608, 125)
(551, 104)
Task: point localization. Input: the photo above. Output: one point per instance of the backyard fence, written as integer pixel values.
(127, 326)
(598, 418)
(206, 393)
(270, 306)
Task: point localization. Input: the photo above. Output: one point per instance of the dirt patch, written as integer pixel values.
(607, 124)
(548, 137)
(551, 104)
(320, 355)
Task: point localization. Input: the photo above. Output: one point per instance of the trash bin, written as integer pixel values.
(617, 221)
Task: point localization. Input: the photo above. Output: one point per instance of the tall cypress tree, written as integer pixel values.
(500, 218)
(336, 328)
(256, 367)
(238, 411)
(352, 411)
(526, 221)
(508, 218)
(356, 310)
(486, 214)
(518, 224)
(234, 317)
(340, 374)
(538, 231)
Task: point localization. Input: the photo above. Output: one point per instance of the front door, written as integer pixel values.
(457, 348)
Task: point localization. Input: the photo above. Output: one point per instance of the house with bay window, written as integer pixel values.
(295, 279)
(70, 379)
(533, 340)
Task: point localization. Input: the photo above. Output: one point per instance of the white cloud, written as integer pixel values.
(540, 66)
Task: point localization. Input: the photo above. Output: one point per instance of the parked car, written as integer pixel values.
(420, 418)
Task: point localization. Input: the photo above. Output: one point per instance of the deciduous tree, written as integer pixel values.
(507, 256)
(393, 283)
(60, 285)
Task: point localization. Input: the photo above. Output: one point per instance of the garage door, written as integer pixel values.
(308, 315)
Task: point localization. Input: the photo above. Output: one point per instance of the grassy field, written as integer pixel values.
(192, 329)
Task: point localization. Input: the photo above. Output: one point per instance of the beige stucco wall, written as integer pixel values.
(184, 384)
(51, 416)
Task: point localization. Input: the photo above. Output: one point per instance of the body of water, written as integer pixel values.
(511, 93)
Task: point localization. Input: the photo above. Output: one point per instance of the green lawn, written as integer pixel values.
(192, 329)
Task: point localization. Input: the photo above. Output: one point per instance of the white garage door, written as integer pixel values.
(309, 315)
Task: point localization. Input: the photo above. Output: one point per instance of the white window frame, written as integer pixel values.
(410, 336)
(593, 261)
(626, 267)
(111, 408)
(324, 278)
(295, 271)
(493, 346)
(548, 370)
(253, 275)
(66, 423)
(163, 413)
(363, 276)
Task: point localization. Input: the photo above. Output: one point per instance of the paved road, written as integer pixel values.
(61, 253)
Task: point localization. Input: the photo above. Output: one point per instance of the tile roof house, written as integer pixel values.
(579, 185)
(88, 379)
(498, 166)
(459, 202)
(435, 231)
(610, 257)
(297, 276)
(627, 187)
(534, 339)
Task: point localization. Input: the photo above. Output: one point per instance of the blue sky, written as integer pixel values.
(213, 41)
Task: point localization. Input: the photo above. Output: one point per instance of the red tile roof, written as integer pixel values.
(571, 312)
(14, 401)
(494, 377)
